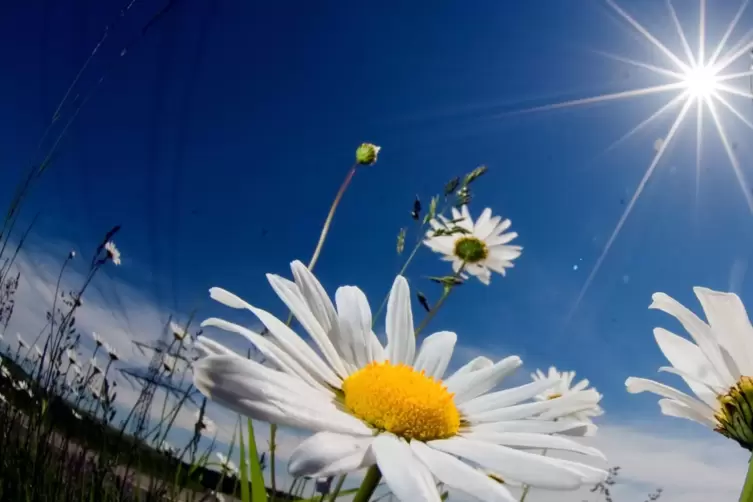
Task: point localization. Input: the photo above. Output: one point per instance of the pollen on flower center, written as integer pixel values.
(471, 249)
(554, 395)
(735, 415)
(398, 399)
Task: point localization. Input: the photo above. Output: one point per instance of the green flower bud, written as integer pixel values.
(366, 154)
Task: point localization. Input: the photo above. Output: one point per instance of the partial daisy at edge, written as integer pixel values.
(390, 405)
(717, 365)
(478, 248)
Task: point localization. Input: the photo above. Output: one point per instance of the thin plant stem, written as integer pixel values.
(370, 482)
(434, 309)
(312, 263)
(337, 489)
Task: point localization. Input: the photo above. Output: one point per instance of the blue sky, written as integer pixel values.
(221, 135)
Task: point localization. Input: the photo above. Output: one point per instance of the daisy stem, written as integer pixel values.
(370, 482)
(747, 493)
(337, 489)
(312, 263)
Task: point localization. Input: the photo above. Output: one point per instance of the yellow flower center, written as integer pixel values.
(398, 399)
(471, 249)
(735, 415)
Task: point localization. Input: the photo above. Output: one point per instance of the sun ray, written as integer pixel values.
(643, 31)
(683, 38)
(673, 102)
(731, 58)
(639, 64)
(734, 111)
(602, 98)
(621, 222)
(702, 33)
(727, 33)
(736, 92)
(732, 158)
(731, 76)
(698, 143)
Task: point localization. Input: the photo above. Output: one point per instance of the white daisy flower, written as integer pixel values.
(21, 342)
(206, 425)
(5, 372)
(227, 464)
(178, 332)
(717, 365)
(97, 339)
(76, 414)
(111, 352)
(37, 350)
(586, 406)
(168, 363)
(390, 406)
(71, 357)
(94, 366)
(478, 248)
(113, 252)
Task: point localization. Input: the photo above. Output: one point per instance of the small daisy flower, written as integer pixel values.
(582, 409)
(478, 248)
(717, 365)
(21, 342)
(71, 357)
(37, 350)
(111, 352)
(178, 332)
(112, 252)
(94, 367)
(168, 363)
(206, 425)
(227, 464)
(97, 340)
(390, 406)
(5, 372)
(76, 414)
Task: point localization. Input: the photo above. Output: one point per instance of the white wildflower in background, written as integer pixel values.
(111, 352)
(585, 404)
(71, 357)
(21, 342)
(178, 332)
(388, 405)
(478, 248)
(168, 448)
(113, 252)
(4, 371)
(76, 414)
(93, 367)
(37, 350)
(97, 340)
(227, 464)
(168, 363)
(717, 365)
(206, 425)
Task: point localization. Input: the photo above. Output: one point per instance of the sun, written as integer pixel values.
(697, 81)
(701, 82)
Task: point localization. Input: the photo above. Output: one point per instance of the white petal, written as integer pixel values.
(435, 353)
(698, 330)
(729, 321)
(292, 297)
(228, 299)
(500, 240)
(637, 385)
(258, 392)
(401, 342)
(688, 358)
(533, 440)
(475, 364)
(470, 385)
(284, 361)
(527, 410)
(355, 325)
(316, 297)
(213, 348)
(673, 408)
(528, 468)
(297, 348)
(407, 477)
(563, 426)
(459, 475)
(507, 397)
(327, 454)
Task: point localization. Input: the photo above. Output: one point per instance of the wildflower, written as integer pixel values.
(587, 405)
(111, 352)
(97, 340)
(168, 448)
(168, 363)
(227, 464)
(21, 342)
(37, 350)
(392, 401)
(94, 367)
(112, 252)
(367, 153)
(178, 332)
(72, 255)
(76, 414)
(716, 368)
(205, 424)
(5, 372)
(478, 248)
